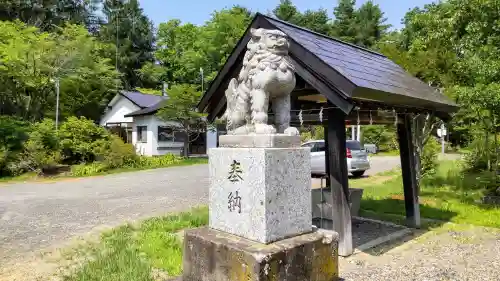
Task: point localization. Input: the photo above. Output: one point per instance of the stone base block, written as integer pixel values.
(262, 194)
(211, 255)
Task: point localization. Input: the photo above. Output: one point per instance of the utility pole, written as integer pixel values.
(202, 80)
(164, 91)
(57, 102)
(443, 133)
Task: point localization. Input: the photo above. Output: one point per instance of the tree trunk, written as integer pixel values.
(487, 147)
(186, 141)
(496, 145)
(423, 125)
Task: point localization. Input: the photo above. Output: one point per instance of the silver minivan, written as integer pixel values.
(357, 157)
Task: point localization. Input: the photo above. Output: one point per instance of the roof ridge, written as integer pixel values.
(322, 35)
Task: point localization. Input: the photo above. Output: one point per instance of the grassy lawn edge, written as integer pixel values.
(33, 177)
(149, 250)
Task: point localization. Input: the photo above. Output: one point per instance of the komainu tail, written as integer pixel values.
(231, 96)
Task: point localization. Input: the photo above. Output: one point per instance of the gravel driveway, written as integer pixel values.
(448, 253)
(36, 215)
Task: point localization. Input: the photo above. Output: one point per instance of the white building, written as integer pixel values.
(132, 115)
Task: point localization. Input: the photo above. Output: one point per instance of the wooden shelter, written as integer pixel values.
(338, 83)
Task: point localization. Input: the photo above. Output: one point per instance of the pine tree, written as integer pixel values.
(314, 20)
(132, 32)
(369, 26)
(287, 11)
(344, 25)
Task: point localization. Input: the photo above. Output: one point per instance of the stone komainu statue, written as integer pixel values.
(267, 76)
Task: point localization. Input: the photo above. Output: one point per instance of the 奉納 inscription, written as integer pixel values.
(235, 172)
(234, 202)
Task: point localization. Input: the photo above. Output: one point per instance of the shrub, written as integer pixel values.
(476, 160)
(429, 158)
(42, 148)
(159, 161)
(384, 137)
(44, 135)
(13, 133)
(306, 136)
(118, 154)
(312, 133)
(81, 140)
(83, 170)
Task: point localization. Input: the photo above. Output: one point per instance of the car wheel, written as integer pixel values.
(358, 174)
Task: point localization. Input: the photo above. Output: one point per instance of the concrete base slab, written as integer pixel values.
(212, 255)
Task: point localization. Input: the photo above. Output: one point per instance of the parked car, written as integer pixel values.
(357, 157)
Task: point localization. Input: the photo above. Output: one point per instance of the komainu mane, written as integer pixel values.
(267, 76)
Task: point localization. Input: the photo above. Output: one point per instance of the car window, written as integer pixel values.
(353, 145)
(310, 144)
(319, 146)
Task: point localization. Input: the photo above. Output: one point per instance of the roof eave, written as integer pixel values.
(336, 88)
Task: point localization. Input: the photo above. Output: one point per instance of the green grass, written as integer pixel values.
(35, 177)
(184, 162)
(133, 252)
(387, 153)
(444, 196)
(23, 177)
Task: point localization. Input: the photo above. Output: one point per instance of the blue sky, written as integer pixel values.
(198, 11)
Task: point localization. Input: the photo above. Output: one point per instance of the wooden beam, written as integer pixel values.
(408, 167)
(339, 185)
(326, 90)
(327, 160)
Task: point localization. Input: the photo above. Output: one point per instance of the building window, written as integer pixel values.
(142, 133)
(169, 134)
(165, 133)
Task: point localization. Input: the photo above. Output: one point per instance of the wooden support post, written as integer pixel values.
(408, 167)
(327, 160)
(339, 182)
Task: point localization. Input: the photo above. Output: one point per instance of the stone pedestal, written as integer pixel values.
(260, 187)
(211, 255)
(260, 216)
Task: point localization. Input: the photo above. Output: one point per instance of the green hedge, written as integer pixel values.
(79, 142)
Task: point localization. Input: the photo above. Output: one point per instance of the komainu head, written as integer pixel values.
(274, 41)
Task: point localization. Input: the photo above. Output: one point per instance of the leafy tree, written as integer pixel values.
(185, 48)
(32, 60)
(383, 136)
(132, 32)
(49, 14)
(180, 109)
(178, 52)
(219, 36)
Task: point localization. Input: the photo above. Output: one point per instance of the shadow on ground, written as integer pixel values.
(377, 232)
(393, 210)
(396, 206)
